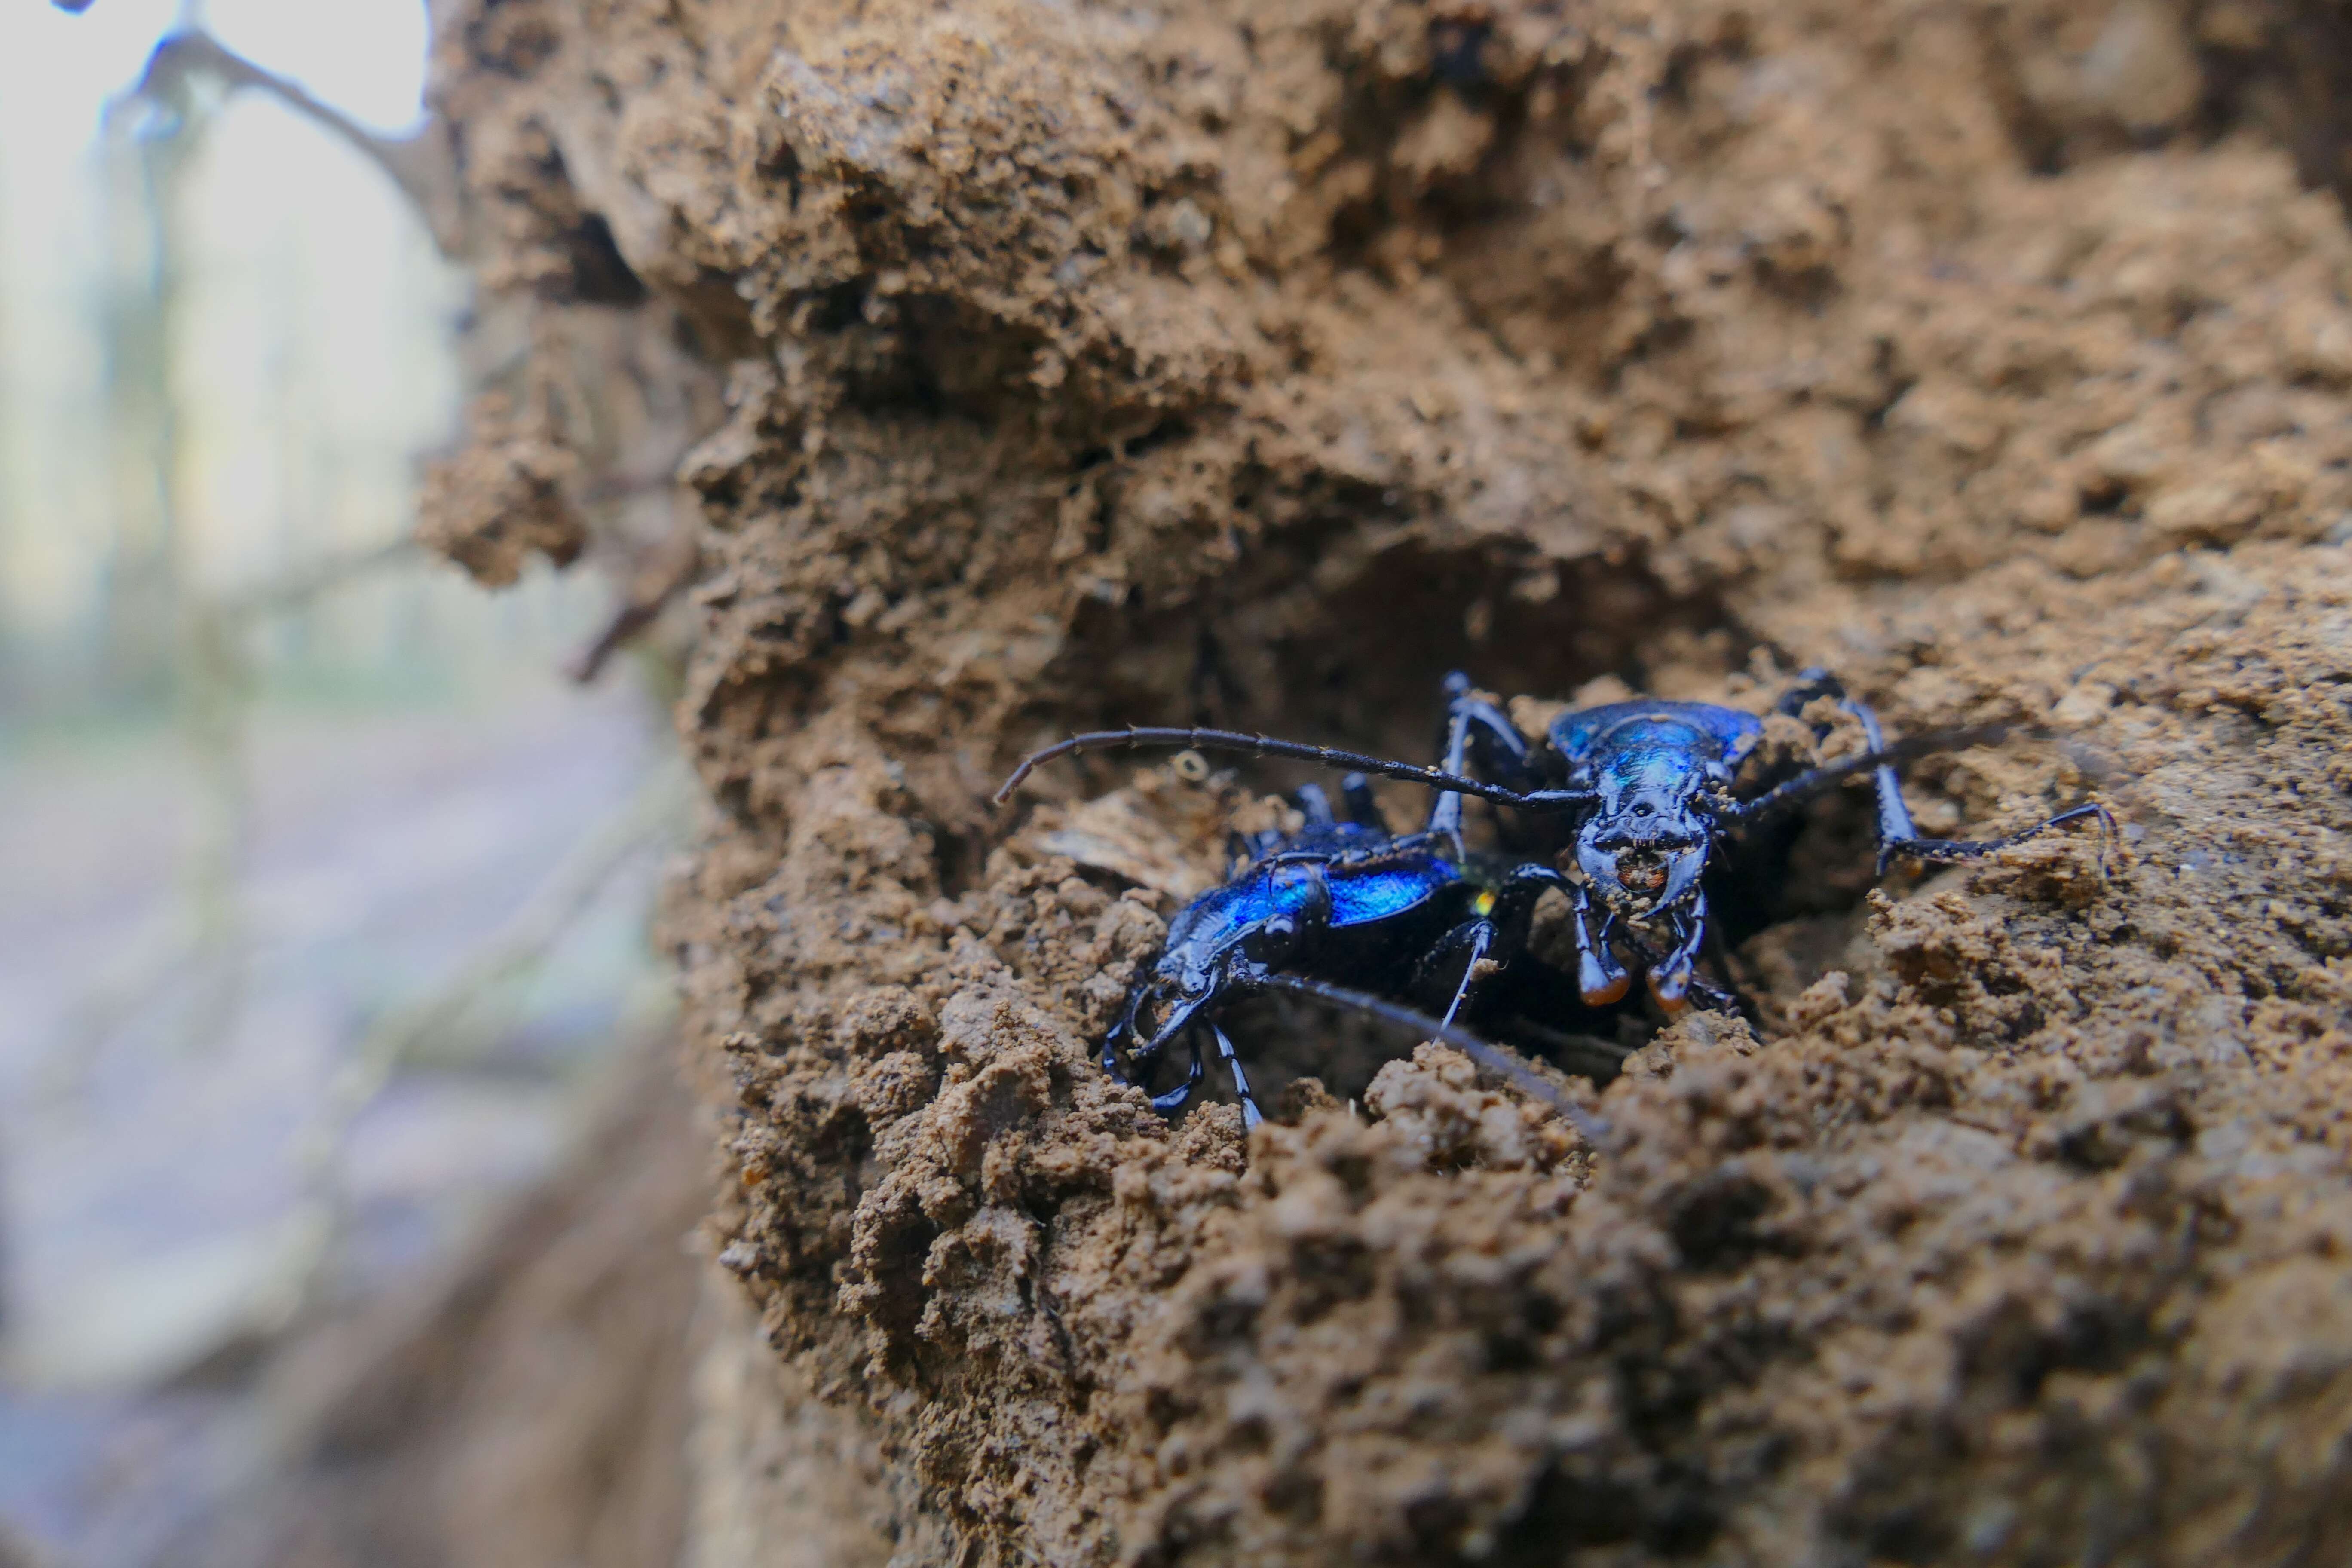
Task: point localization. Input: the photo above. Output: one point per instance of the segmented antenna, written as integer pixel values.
(1819, 781)
(1485, 1053)
(1138, 736)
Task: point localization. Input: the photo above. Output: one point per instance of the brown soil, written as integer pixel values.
(1258, 364)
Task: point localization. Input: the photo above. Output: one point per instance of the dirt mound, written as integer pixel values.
(1260, 364)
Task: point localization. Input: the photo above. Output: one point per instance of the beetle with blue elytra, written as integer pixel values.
(1343, 911)
(1638, 795)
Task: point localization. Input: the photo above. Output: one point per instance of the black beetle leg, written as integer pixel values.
(1464, 716)
(1716, 953)
(1174, 1099)
(1125, 1026)
(1600, 978)
(1670, 982)
(1948, 851)
(1250, 1117)
(1713, 999)
(1239, 852)
(1314, 805)
(1811, 683)
(1899, 836)
(1481, 941)
(1364, 807)
(1477, 937)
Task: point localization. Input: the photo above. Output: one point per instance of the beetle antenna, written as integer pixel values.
(1819, 781)
(1137, 737)
(1485, 1053)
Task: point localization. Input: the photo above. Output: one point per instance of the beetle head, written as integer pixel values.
(1645, 845)
(1182, 983)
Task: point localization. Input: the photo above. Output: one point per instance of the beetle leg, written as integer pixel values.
(1140, 1050)
(1466, 716)
(1110, 1044)
(1482, 939)
(1478, 936)
(1716, 954)
(1250, 1117)
(1174, 1099)
(1811, 683)
(1363, 809)
(1313, 804)
(1899, 836)
(1499, 935)
(1951, 849)
(1712, 998)
(1445, 811)
(1240, 851)
(1600, 978)
(1670, 982)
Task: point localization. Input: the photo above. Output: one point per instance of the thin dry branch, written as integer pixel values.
(662, 574)
(424, 165)
(292, 590)
(643, 822)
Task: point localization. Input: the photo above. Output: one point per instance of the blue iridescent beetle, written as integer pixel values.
(1640, 794)
(1341, 911)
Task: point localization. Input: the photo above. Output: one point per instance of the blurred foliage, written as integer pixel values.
(329, 885)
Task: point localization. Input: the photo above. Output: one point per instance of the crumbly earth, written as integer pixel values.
(1258, 364)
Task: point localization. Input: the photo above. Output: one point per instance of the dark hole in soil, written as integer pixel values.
(599, 274)
(1359, 664)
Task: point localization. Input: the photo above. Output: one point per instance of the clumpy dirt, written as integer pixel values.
(1257, 364)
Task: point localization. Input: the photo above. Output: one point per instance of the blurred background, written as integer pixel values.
(326, 889)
